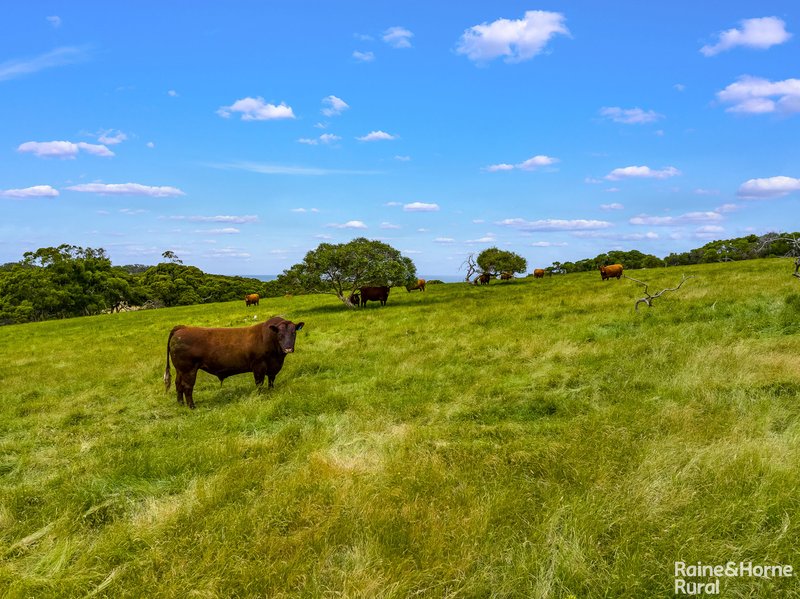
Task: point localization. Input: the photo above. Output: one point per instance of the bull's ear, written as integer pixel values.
(298, 326)
(273, 327)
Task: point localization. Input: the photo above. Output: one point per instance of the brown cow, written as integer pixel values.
(420, 284)
(611, 271)
(355, 299)
(506, 276)
(538, 273)
(251, 299)
(223, 352)
(483, 279)
(374, 294)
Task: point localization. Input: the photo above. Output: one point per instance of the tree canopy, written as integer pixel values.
(495, 261)
(342, 268)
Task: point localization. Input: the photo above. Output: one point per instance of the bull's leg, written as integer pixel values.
(258, 375)
(188, 386)
(179, 386)
(272, 380)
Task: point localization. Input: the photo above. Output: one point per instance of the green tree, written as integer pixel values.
(342, 268)
(495, 261)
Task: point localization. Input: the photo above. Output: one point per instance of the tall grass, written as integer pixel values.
(526, 439)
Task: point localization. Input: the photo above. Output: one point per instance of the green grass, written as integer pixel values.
(526, 439)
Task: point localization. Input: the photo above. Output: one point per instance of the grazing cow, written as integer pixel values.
(420, 284)
(374, 294)
(611, 271)
(355, 299)
(538, 273)
(483, 279)
(506, 276)
(251, 299)
(223, 352)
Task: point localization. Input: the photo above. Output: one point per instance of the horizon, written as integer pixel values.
(242, 138)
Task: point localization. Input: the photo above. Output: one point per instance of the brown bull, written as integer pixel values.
(251, 299)
(223, 352)
(611, 271)
(506, 276)
(483, 279)
(420, 284)
(538, 273)
(374, 294)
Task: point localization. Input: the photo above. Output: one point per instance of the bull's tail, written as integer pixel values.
(167, 373)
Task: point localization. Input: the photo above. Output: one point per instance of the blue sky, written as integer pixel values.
(241, 135)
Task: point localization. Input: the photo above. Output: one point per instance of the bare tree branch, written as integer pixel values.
(472, 267)
(648, 298)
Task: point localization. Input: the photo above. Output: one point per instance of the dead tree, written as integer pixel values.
(794, 248)
(472, 267)
(648, 298)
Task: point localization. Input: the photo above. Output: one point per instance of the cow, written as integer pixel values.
(538, 273)
(420, 284)
(374, 294)
(355, 299)
(611, 271)
(483, 279)
(506, 276)
(251, 299)
(223, 352)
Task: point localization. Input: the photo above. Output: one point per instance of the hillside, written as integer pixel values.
(534, 438)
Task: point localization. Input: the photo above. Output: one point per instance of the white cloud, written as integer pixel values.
(679, 87)
(55, 21)
(37, 191)
(172, 93)
(403, 158)
(223, 231)
(386, 225)
(228, 253)
(551, 224)
(666, 221)
(55, 58)
(363, 56)
(616, 236)
(771, 187)
(517, 40)
(351, 224)
(444, 240)
(706, 192)
(218, 219)
(376, 136)
(323, 236)
(279, 169)
(393, 204)
(614, 206)
(641, 172)
(725, 208)
(62, 149)
(612, 190)
(755, 33)
(488, 238)
(547, 244)
(398, 37)
(255, 109)
(333, 106)
(527, 165)
(324, 139)
(420, 207)
(630, 116)
(755, 95)
(127, 189)
(363, 37)
(111, 137)
(150, 144)
(496, 168)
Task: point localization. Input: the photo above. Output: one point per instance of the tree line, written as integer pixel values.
(723, 250)
(68, 280)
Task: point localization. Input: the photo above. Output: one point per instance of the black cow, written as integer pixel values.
(374, 294)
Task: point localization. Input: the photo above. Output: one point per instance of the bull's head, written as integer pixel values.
(286, 332)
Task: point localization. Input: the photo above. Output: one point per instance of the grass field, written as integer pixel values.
(526, 439)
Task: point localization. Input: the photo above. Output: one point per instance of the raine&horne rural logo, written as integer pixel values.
(704, 579)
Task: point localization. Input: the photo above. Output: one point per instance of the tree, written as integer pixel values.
(172, 257)
(495, 261)
(342, 268)
(471, 266)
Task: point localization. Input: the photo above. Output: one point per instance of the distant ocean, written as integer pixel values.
(443, 278)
